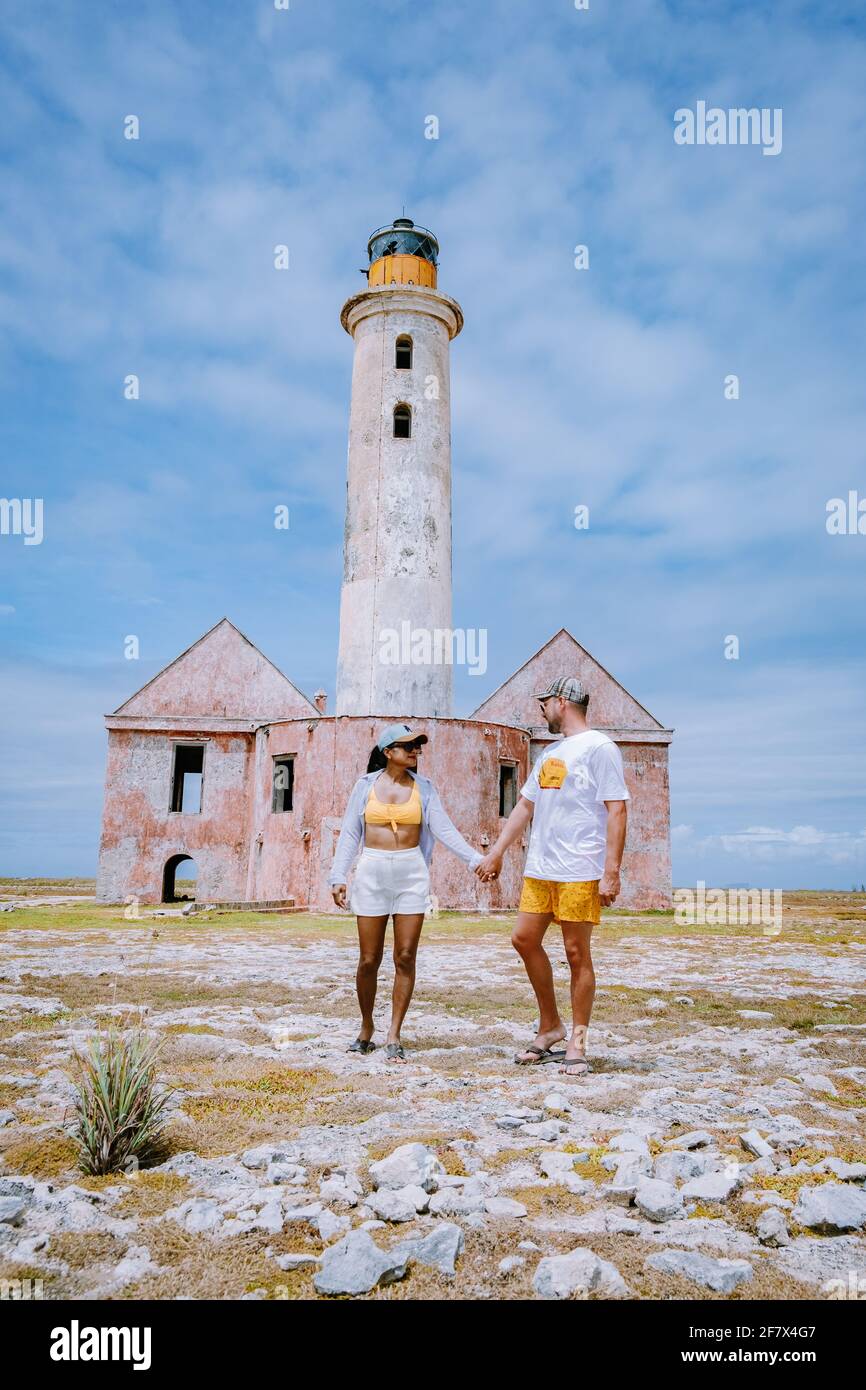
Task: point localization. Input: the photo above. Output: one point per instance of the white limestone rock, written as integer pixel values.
(345, 1189)
(679, 1165)
(397, 1204)
(580, 1273)
(410, 1165)
(772, 1228)
(848, 1172)
(452, 1201)
(284, 1171)
(290, 1262)
(657, 1200)
(548, 1130)
(556, 1103)
(504, 1207)
(439, 1249)
(754, 1143)
(12, 1210)
(722, 1276)
(356, 1265)
(817, 1082)
(311, 1212)
(712, 1187)
(330, 1225)
(196, 1215)
(831, 1207)
(762, 1197)
(694, 1139)
(556, 1164)
(265, 1155)
(628, 1142)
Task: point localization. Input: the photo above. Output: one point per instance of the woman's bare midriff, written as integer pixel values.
(383, 837)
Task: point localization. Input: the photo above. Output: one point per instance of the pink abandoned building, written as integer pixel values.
(220, 759)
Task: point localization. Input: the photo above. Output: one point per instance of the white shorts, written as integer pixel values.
(390, 880)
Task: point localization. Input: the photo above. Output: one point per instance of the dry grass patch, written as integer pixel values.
(552, 1200)
(9, 1093)
(203, 1268)
(48, 1156)
(504, 1158)
(789, 1185)
(850, 1097)
(591, 1167)
(150, 1193)
(80, 1249)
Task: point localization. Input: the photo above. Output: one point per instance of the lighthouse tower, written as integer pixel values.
(396, 591)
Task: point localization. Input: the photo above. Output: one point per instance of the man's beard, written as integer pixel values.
(554, 724)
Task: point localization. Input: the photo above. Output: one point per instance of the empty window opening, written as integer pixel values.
(284, 783)
(404, 352)
(180, 880)
(402, 422)
(507, 788)
(186, 778)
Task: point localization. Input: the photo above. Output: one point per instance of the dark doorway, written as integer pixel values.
(179, 879)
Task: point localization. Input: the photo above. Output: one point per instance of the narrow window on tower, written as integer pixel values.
(404, 353)
(507, 788)
(402, 422)
(284, 782)
(187, 771)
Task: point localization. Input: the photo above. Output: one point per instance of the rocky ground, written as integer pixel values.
(715, 1151)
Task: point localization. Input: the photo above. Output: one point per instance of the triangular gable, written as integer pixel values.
(222, 674)
(610, 705)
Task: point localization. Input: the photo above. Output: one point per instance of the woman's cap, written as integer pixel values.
(398, 733)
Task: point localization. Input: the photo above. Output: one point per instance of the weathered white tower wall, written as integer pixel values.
(397, 550)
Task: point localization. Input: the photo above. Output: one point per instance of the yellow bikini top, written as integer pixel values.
(394, 813)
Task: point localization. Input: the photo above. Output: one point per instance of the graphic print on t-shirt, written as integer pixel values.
(553, 773)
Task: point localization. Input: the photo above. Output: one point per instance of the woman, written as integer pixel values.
(395, 814)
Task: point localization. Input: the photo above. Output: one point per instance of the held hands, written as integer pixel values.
(338, 892)
(608, 888)
(488, 870)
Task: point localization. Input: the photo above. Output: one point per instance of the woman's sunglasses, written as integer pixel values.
(414, 747)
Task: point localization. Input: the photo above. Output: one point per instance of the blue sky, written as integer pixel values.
(602, 387)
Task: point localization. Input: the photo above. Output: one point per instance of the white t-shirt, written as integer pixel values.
(569, 785)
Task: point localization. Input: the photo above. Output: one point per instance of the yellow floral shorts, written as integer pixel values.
(569, 902)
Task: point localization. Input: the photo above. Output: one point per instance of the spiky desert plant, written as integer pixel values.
(120, 1111)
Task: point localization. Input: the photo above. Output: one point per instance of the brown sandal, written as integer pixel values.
(542, 1056)
(582, 1062)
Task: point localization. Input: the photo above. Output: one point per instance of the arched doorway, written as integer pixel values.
(179, 879)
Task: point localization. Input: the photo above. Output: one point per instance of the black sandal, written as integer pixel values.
(395, 1051)
(364, 1045)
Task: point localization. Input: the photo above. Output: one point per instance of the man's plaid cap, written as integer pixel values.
(569, 687)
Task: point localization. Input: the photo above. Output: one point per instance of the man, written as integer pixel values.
(575, 798)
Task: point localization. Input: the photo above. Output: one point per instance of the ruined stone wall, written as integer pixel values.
(462, 758)
(246, 852)
(646, 877)
(139, 832)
